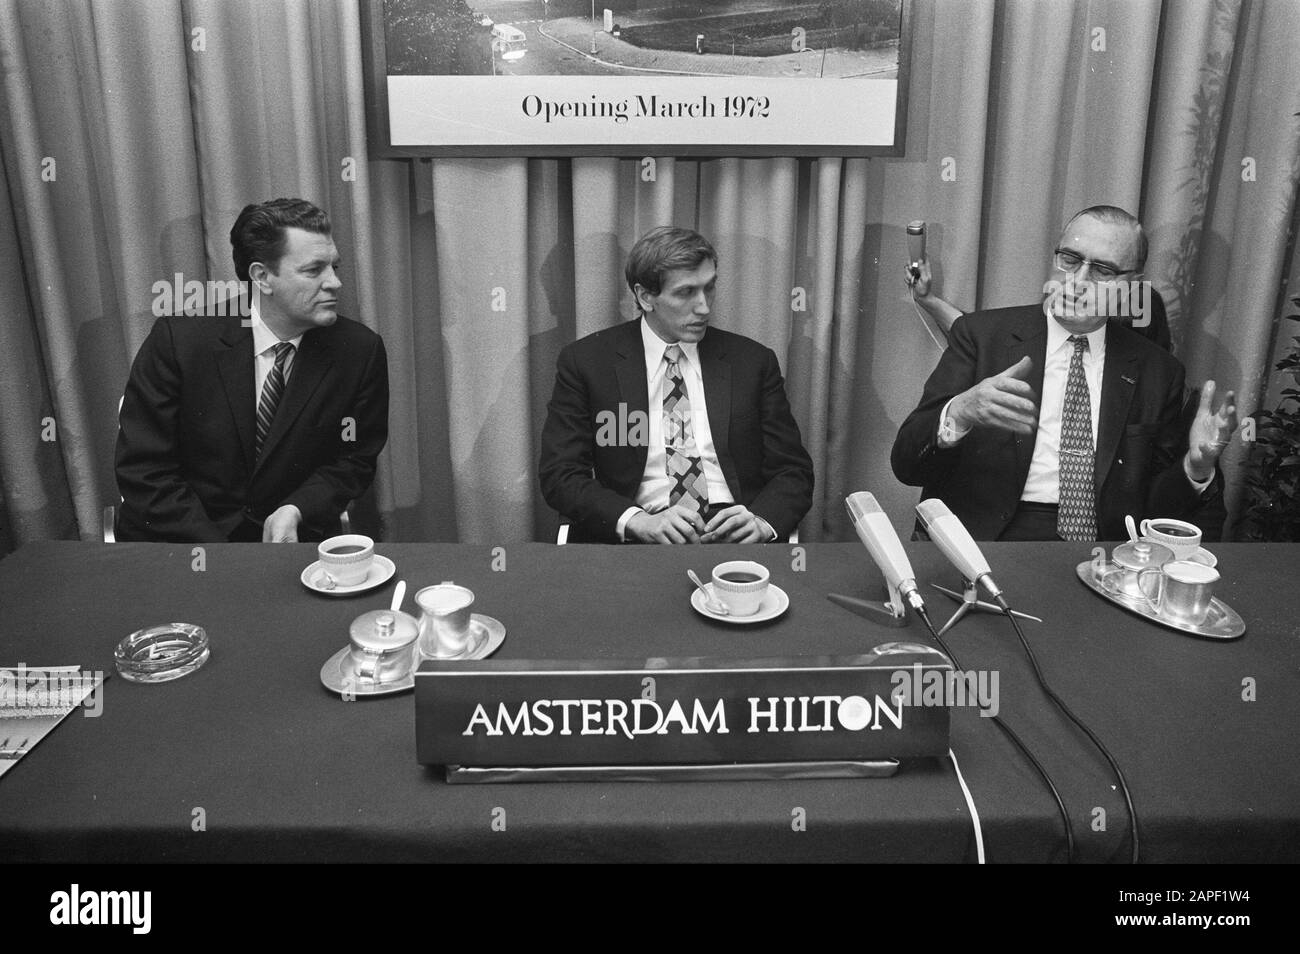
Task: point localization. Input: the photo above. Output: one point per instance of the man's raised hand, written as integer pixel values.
(919, 281)
(1004, 401)
(1211, 431)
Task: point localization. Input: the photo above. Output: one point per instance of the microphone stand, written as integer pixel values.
(889, 613)
(970, 603)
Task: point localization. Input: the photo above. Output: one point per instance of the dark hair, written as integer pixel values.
(258, 233)
(662, 250)
(1114, 215)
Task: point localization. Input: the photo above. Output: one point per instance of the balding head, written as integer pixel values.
(1113, 215)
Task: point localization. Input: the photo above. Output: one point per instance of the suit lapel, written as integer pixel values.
(1029, 340)
(1118, 382)
(314, 359)
(633, 388)
(238, 379)
(715, 369)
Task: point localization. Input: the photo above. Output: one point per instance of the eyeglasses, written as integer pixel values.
(1068, 261)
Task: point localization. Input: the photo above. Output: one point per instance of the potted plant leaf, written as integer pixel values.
(1273, 473)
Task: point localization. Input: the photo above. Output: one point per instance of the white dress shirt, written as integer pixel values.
(652, 495)
(264, 342)
(1043, 485)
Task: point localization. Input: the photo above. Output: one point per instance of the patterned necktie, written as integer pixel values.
(686, 483)
(271, 392)
(1076, 518)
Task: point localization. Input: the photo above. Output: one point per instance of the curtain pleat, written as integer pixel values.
(840, 378)
(481, 215)
(598, 252)
(1224, 330)
(37, 497)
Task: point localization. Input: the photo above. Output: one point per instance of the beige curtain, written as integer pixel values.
(163, 119)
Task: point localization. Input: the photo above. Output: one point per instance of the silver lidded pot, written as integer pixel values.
(383, 645)
(1130, 559)
(1139, 555)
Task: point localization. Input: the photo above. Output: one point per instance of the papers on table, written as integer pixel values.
(34, 700)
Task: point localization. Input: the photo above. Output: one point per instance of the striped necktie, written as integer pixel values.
(1076, 517)
(271, 392)
(687, 484)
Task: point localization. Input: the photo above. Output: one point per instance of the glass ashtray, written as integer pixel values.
(162, 653)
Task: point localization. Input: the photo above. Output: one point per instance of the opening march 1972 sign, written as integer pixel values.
(636, 77)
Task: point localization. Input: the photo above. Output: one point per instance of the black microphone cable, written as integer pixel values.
(1051, 694)
(1006, 730)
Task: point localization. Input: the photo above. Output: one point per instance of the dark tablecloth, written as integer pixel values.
(282, 769)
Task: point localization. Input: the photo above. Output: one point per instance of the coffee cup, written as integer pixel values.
(740, 585)
(444, 619)
(1183, 590)
(347, 558)
(382, 645)
(1181, 537)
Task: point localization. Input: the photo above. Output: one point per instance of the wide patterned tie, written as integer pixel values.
(271, 391)
(686, 483)
(1076, 517)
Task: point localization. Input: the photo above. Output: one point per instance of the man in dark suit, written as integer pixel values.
(664, 430)
(260, 428)
(1104, 441)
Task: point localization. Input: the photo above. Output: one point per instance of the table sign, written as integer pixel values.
(521, 714)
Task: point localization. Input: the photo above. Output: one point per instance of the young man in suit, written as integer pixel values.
(260, 428)
(666, 430)
(1105, 439)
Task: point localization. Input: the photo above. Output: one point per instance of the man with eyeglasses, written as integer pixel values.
(1104, 440)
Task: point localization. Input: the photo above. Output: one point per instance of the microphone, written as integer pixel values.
(957, 544)
(878, 536)
(915, 244)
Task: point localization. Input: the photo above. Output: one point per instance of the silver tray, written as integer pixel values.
(486, 635)
(337, 675)
(1222, 622)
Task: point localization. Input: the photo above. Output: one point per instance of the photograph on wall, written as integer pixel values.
(634, 77)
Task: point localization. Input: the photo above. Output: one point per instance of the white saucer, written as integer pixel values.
(381, 571)
(338, 676)
(485, 638)
(775, 602)
(1200, 555)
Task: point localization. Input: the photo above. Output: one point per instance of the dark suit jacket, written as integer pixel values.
(1140, 441)
(185, 464)
(754, 434)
